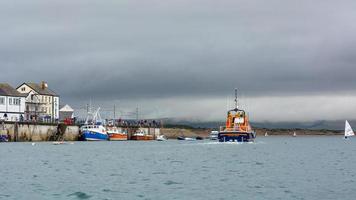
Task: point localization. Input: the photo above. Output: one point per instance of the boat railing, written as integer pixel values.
(239, 128)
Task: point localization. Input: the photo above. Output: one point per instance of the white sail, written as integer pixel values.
(348, 130)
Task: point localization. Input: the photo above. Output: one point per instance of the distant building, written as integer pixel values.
(41, 102)
(66, 112)
(12, 103)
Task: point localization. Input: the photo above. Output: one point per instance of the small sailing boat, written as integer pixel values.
(294, 134)
(266, 134)
(348, 130)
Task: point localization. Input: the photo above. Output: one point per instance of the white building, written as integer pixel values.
(41, 102)
(12, 103)
(66, 112)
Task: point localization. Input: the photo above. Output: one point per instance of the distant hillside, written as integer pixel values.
(316, 125)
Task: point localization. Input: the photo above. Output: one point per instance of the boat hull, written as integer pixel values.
(142, 137)
(117, 137)
(94, 136)
(4, 138)
(236, 136)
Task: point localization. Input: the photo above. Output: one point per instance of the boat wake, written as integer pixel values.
(231, 143)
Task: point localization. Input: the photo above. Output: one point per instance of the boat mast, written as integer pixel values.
(236, 98)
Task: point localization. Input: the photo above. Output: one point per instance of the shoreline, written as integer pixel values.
(173, 133)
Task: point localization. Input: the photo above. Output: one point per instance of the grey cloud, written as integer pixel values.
(152, 49)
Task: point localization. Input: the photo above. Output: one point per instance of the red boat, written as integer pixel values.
(141, 135)
(116, 134)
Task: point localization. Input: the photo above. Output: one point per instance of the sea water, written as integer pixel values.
(273, 167)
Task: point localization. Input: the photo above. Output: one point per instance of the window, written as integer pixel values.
(10, 101)
(17, 101)
(23, 89)
(2, 100)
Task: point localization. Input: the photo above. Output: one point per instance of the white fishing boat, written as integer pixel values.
(161, 138)
(214, 135)
(348, 130)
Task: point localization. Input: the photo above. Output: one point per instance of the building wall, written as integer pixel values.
(13, 106)
(48, 105)
(56, 107)
(24, 89)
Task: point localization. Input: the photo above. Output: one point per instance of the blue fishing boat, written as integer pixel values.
(4, 138)
(94, 133)
(93, 130)
(237, 127)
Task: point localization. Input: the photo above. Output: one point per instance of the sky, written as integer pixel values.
(290, 60)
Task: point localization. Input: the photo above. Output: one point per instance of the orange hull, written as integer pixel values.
(117, 137)
(146, 137)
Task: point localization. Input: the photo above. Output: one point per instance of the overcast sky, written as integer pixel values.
(290, 60)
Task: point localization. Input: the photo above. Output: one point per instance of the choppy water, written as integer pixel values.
(272, 168)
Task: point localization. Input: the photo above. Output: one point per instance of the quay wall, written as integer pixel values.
(173, 133)
(34, 132)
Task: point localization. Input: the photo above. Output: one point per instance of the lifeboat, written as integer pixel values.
(237, 127)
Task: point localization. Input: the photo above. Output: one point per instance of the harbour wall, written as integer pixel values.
(25, 132)
(173, 133)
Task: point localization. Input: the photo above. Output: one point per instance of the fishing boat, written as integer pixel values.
(161, 138)
(3, 135)
(348, 130)
(4, 138)
(116, 133)
(93, 129)
(237, 127)
(214, 135)
(141, 135)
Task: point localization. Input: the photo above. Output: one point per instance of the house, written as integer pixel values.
(41, 102)
(66, 112)
(12, 103)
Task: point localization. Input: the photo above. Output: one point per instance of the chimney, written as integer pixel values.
(44, 85)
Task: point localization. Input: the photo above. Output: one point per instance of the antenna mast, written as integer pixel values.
(236, 98)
